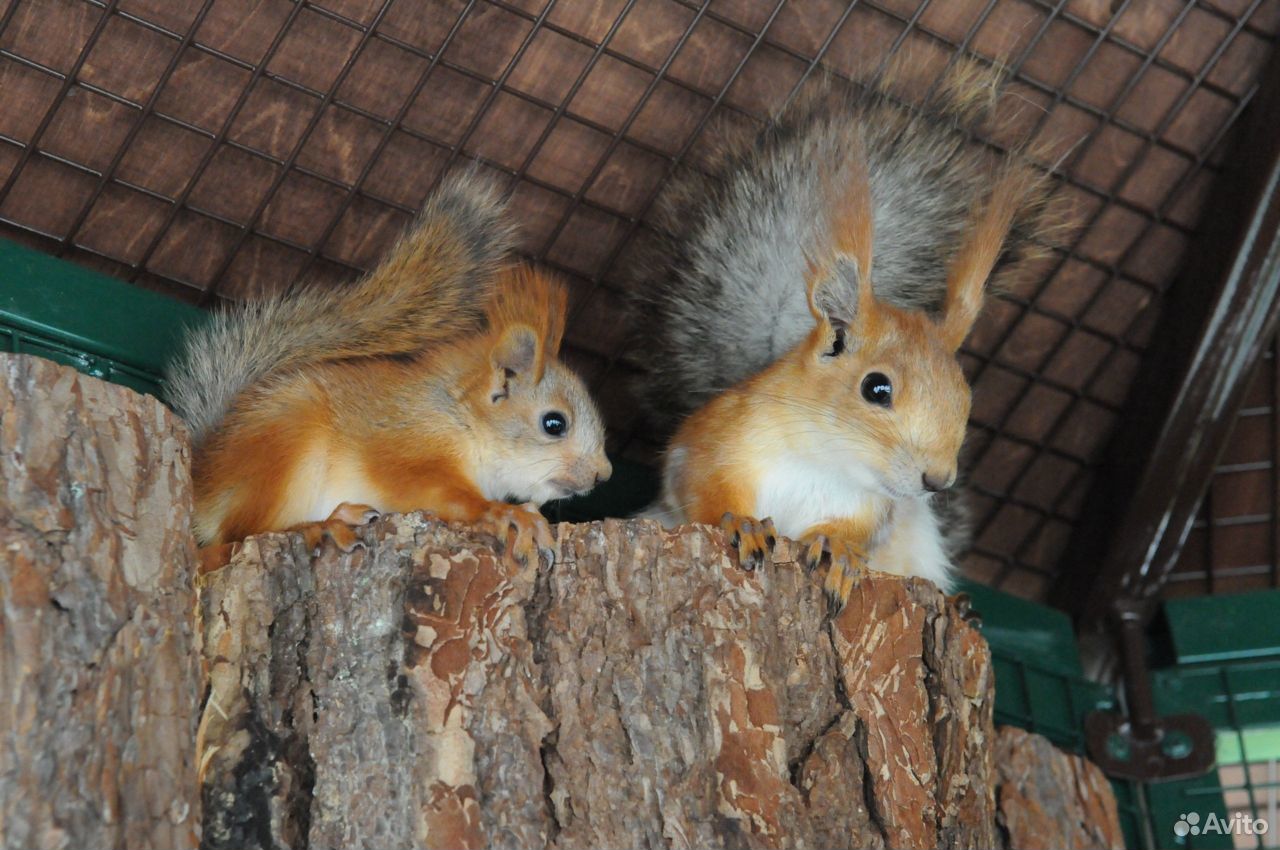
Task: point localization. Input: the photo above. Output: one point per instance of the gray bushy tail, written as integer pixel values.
(429, 288)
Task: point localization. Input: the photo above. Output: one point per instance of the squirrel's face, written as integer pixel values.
(902, 400)
(546, 439)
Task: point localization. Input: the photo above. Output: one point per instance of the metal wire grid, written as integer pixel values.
(1081, 476)
(1022, 519)
(1253, 789)
(1234, 544)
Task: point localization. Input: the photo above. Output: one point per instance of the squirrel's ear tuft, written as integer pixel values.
(833, 299)
(534, 300)
(839, 282)
(967, 276)
(518, 352)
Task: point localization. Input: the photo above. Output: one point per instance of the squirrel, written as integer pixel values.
(802, 308)
(431, 384)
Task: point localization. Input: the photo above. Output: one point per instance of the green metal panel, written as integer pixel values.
(98, 324)
(1025, 630)
(1235, 684)
(1231, 696)
(1168, 802)
(1225, 628)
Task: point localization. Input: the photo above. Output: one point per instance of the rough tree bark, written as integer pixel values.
(640, 691)
(1048, 799)
(643, 691)
(99, 687)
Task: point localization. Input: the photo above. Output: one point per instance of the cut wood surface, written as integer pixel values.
(638, 690)
(99, 681)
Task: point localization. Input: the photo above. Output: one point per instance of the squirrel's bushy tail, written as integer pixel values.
(433, 284)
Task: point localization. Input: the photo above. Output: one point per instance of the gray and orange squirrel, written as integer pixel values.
(431, 384)
(801, 311)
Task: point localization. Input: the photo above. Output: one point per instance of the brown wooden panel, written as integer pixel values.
(29, 95)
(122, 223)
(192, 249)
(47, 196)
(162, 157)
(274, 118)
(381, 78)
(50, 33)
(406, 169)
(301, 209)
(1036, 414)
(88, 128)
(244, 29)
(128, 59)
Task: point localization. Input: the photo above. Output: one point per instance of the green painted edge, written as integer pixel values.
(90, 312)
(1028, 631)
(1230, 627)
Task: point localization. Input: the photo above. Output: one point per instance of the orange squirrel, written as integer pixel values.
(431, 384)
(811, 295)
(823, 442)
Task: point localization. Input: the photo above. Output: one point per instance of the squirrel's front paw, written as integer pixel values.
(845, 562)
(522, 530)
(339, 527)
(751, 539)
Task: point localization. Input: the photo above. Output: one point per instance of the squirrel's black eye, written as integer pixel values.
(555, 423)
(877, 389)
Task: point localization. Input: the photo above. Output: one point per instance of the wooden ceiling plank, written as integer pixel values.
(1218, 318)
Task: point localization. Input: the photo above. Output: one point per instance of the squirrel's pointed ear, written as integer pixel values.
(518, 353)
(837, 297)
(833, 298)
(980, 251)
(527, 311)
(839, 286)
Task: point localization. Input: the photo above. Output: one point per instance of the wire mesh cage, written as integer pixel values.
(1234, 545)
(218, 149)
(215, 149)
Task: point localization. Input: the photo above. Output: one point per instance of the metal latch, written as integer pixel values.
(1142, 746)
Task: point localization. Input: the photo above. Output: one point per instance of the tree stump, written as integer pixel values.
(98, 659)
(640, 691)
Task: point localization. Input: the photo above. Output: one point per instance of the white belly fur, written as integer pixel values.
(913, 546)
(799, 497)
(323, 481)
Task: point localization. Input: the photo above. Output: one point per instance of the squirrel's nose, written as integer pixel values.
(934, 482)
(605, 470)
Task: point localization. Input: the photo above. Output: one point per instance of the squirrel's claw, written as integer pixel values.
(846, 564)
(522, 531)
(339, 527)
(354, 513)
(751, 539)
(964, 607)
